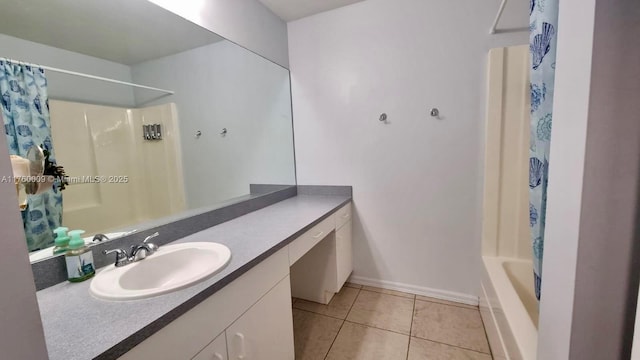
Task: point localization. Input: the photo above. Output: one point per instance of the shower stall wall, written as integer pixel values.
(117, 177)
(507, 303)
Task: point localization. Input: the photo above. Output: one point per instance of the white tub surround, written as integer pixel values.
(507, 302)
(509, 308)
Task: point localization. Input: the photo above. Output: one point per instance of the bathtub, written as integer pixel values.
(509, 308)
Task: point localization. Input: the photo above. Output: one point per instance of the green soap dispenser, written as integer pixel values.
(79, 258)
(62, 241)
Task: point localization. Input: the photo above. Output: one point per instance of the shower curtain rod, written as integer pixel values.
(498, 16)
(89, 76)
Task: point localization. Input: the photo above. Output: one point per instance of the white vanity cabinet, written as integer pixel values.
(217, 350)
(265, 331)
(251, 318)
(321, 258)
(260, 293)
(344, 251)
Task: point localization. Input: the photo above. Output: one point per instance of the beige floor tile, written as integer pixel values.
(420, 349)
(313, 334)
(382, 311)
(338, 307)
(358, 342)
(352, 285)
(425, 298)
(389, 292)
(450, 325)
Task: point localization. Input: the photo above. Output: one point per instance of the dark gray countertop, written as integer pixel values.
(79, 326)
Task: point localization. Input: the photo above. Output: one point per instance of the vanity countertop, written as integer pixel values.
(79, 326)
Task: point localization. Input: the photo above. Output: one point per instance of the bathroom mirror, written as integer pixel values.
(148, 117)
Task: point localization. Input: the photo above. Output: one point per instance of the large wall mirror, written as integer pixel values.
(208, 119)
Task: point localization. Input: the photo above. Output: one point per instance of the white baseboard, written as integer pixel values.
(417, 290)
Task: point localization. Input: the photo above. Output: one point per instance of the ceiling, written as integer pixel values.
(289, 10)
(124, 31)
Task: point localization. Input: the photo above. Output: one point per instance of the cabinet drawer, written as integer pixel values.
(343, 215)
(306, 241)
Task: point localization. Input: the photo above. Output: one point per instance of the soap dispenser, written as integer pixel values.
(79, 258)
(61, 244)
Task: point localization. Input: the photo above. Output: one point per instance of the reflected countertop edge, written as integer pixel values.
(79, 326)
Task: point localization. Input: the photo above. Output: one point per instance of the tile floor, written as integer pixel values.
(369, 323)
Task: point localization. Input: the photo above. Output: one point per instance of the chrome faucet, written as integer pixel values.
(121, 257)
(152, 247)
(138, 252)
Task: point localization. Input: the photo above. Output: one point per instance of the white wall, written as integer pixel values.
(590, 273)
(22, 335)
(417, 181)
(73, 88)
(571, 103)
(245, 22)
(225, 86)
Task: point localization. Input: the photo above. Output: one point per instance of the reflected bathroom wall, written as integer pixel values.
(223, 86)
(65, 87)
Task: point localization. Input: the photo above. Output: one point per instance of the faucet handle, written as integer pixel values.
(150, 237)
(121, 256)
(152, 247)
(100, 237)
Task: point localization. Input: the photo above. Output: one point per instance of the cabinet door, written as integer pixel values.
(265, 331)
(216, 350)
(344, 255)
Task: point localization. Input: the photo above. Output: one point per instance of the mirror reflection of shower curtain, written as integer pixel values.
(542, 46)
(25, 109)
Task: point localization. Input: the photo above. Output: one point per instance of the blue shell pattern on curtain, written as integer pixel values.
(25, 111)
(542, 46)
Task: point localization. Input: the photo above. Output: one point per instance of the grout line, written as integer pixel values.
(415, 297)
(455, 346)
(341, 325)
(377, 328)
(413, 315)
(316, 313)
(383, 293)
(462, 306)
(353, 286)
(417, 337)
(486, 336)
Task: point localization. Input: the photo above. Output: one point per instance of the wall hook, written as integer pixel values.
(383, 117)
(434, 112)
(198, 134)
(224, 132)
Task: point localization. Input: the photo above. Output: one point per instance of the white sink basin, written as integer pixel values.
(171, 268)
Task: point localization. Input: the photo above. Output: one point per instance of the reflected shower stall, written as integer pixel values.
(118, 178)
